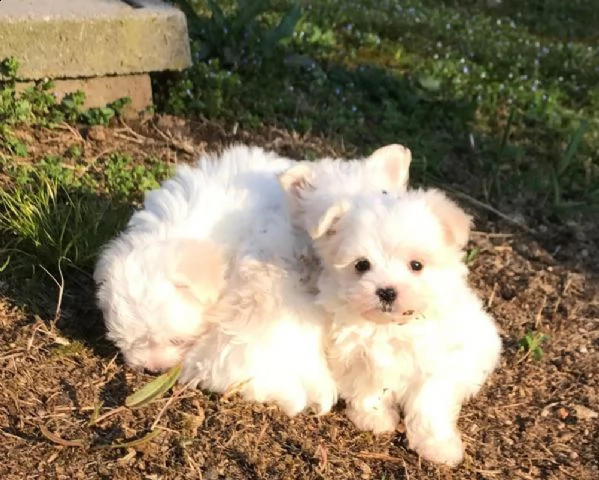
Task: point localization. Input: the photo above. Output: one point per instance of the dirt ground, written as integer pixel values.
(62, 386)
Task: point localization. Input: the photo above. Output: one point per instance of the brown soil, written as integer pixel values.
(535, 419)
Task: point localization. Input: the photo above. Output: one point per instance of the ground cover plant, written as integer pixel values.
(498, 102)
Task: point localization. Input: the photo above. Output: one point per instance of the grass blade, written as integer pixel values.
(59, 440)
(133, 443)
(155, 389)
(566, 159)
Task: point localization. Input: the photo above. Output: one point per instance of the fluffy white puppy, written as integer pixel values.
(157, 278)
(406, 328)
(212, 272)
(266, 333)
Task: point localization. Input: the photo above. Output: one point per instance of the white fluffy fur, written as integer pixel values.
(427, 351)
(158, 278)
(212, 272)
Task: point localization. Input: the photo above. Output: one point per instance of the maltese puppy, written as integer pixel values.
(265, 335)
(213, 273)
(406, 328)
(156, 279)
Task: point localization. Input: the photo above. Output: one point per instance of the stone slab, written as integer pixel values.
(88, 38)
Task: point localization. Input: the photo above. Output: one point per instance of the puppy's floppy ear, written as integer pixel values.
(197, 269)
(394, 162)
(325, 225)
(296, 179)
(455, 221)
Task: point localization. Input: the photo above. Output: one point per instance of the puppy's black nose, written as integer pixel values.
(387, 295)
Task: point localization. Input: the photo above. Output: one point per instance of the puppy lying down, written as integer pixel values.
(213, 273)
(405, 328)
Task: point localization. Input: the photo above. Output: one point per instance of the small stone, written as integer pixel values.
(562, 413)
(97, 133)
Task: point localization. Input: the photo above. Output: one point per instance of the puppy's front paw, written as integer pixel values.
(324, 404)
(447, 450)
(379, 419)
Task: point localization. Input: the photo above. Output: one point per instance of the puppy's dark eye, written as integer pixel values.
(416, 266)
(362, 265)
(385, 192)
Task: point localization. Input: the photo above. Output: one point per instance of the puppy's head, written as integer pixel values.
(386, 259)
(312, 188)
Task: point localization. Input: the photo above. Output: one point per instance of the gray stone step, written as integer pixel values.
(89, 38)
(105, 48)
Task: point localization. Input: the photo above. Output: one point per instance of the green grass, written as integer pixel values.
(532, 344)
(55, 217)
(508, 91)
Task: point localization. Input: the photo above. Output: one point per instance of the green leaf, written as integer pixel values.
(572, 148)
(430, 83)
(284, 29)
(247, 11)
(155, 389)
(217, 14)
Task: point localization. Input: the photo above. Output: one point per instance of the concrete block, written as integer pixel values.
(100, 91)
(89, 38)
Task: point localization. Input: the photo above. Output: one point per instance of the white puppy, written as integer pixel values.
(406, 328)
(157, 278)
(266, 332)
(212, 272)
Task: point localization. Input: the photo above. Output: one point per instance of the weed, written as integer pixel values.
(57, 218)
(471, 255)
(235, 33)
(37, 106)
(532, 344)
(73, 348)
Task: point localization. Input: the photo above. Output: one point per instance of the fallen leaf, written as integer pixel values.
(155, 389)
